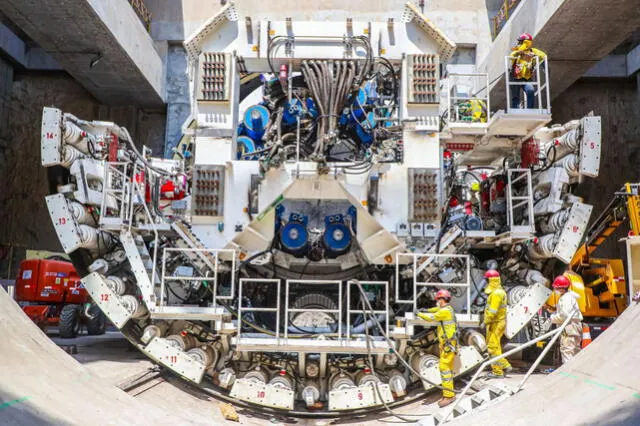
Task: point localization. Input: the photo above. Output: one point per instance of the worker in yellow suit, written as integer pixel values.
(448, 340)
(495, 321)
(474, 110)
(523, 66)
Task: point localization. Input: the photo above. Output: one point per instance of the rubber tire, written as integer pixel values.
(69, 321)
(98, 324)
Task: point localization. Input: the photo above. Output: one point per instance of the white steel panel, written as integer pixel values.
(262, 394)
(138, 268)
(63, 222)
(590, 146)
(88, 172)
(175, 359)
(392, 198)
(213, 151)
(359, 397)
(520, 314)
(572, 232)
(466, 358)
(106, 299)
(51, 136)
(421, 149)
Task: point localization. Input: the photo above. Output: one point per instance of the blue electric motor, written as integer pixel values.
(337, 236)
(364, 127)
(294, 109)
(244, 145)
(473, 223)
(294, 237)
(256, 118)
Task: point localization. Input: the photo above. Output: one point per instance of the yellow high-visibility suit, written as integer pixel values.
(447, 332)
(523, 62)
(495, 318)
(474, 111)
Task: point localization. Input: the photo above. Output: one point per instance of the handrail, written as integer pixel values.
(417, 269)
(555, 333)
(452, 78)
(202, 278)
(143, 13)
(502, 16)
(136, 190)
(541, 88)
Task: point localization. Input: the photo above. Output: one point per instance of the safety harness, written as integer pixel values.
(450, 343)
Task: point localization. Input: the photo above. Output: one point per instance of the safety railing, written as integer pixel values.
(137, 197)
(468, 99)
(538, 85)
(554, 334)
(116, 187)
(385, 312)
(419, 262)
(246, 309)
(288, 310)
(522, 203)
(143, 13)
(205, 280)
(501, 18)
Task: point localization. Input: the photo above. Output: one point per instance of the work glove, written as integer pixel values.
(483, 325)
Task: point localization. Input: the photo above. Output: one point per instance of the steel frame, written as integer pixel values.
(242, 309)
(541, 88)
(115, 172)
(521, 200)
(417, 268)
(288, 310)
(487, 99)
(215, 297)
(362, 311)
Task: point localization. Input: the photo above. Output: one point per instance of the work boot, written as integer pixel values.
(443, 402)
(495, 376)
(508, 370)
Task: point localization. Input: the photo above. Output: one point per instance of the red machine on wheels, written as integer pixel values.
(51, 294)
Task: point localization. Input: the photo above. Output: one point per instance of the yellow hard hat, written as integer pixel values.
(475, 186)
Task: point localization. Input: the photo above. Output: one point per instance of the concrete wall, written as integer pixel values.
(30, 57)
(618, 103)
(23, 216)
(178, 103)
(6, 82)
(131, 34)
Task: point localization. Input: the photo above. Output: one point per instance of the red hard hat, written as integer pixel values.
(443, 294)
(561, 282)
(492, 273)
(525, 36)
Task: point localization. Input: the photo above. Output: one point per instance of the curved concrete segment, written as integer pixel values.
(600, 386)
(41, 384)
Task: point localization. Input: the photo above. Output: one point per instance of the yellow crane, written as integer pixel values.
(601, 282)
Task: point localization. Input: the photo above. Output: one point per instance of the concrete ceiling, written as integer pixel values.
(74, 34)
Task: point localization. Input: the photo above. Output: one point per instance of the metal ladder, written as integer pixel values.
(117, 186)
(516, 202)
